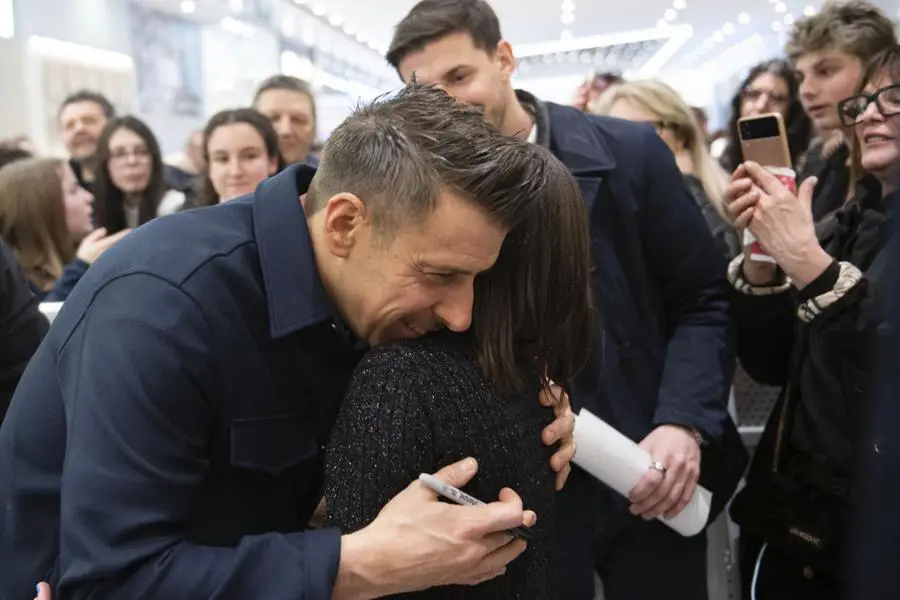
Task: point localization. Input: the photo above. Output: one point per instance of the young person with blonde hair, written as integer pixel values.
(657, 104)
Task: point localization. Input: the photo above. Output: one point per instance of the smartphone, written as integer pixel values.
(764, 141)
(460, 497)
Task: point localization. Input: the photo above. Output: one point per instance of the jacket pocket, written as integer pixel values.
(272, 445)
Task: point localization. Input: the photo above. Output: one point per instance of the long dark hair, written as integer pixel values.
(534, 311)
(797, 123)
(250, 116)
(109, 200)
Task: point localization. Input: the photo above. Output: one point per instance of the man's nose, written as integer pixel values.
(283, 126)
(455, 308)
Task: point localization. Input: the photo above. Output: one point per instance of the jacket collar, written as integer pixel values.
(571, 135)
(295, 294)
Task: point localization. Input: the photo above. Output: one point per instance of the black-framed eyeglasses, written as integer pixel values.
(887, 101)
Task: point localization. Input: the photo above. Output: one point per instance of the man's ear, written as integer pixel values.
(344, 217)
(505, 59)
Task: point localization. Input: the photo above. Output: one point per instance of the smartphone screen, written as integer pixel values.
(764, 140)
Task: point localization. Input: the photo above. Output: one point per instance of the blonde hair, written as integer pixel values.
(668, 108)
(33, 218)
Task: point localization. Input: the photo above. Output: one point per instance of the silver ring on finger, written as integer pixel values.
(658, 466)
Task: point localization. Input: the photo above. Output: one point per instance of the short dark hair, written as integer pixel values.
(109, 200)
(289, 83)
(856, 27)
(10, 154)
(430, 20)
(250, 116)
(97, 98)
(400, 152)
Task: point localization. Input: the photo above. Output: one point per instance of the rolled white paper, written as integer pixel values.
(620, 463)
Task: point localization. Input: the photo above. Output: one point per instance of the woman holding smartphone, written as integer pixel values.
(808, 322)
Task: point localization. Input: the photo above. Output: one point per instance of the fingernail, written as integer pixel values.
(468, 465)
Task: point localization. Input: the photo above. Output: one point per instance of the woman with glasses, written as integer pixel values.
(656, 103)
(770, 87)
(130, 186)
(808, 322)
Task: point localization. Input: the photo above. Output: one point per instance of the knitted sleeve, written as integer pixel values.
(381, 442)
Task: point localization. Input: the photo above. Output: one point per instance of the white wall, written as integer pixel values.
(233, 66)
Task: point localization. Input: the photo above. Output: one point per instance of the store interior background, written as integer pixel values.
(176, 62)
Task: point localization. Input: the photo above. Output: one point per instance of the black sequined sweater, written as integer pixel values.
(415, 406)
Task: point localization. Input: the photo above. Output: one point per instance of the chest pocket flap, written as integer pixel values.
(272, 444)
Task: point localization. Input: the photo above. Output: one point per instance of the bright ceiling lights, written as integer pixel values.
(777, 26)
(349, 29)
(809, 11)
(679, 4)
(319, 10)
(336, 20)
(567, 6)
(788, 19)
(662, 23)
(718, 37)
(566, 35)
(567, 18)
(743, 18)
(780, 7)
(188, 6)
(727, 28)
(670, 14)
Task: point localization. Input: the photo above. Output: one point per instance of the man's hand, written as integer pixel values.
(562, 430)
(667, 493)
(418, 542)
(43, 592)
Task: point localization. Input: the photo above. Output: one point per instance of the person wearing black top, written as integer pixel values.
(416, 405)
(22, 326)
(810, 325)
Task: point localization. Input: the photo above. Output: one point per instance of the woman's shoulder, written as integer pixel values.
(442, 351)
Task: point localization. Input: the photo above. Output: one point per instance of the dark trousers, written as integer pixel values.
(636, 559)
(781, 577)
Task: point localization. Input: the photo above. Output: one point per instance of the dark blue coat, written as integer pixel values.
(666, 355)
(166, 440)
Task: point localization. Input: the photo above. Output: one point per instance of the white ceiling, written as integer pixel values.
(717, 24)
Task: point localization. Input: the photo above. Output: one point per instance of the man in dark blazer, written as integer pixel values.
(167, 438)
(662, 372)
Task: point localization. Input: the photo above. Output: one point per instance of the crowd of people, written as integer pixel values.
(260, 348)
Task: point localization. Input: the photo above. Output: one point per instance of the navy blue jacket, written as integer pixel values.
(166, 441)
(666, 355)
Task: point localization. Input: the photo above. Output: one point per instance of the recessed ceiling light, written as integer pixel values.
(670, 14)
(718, 37)
(361, 37)
(188, 6)
(777, 26)
(679, 4)
(727, 28)
(780, 7)
(319, 9)
(809, 11)
(336, 20)
(788, 19)
(566, 35)
(349, 29)
(662, 23)
(567, 18)
(743, 18)
(567, 6)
